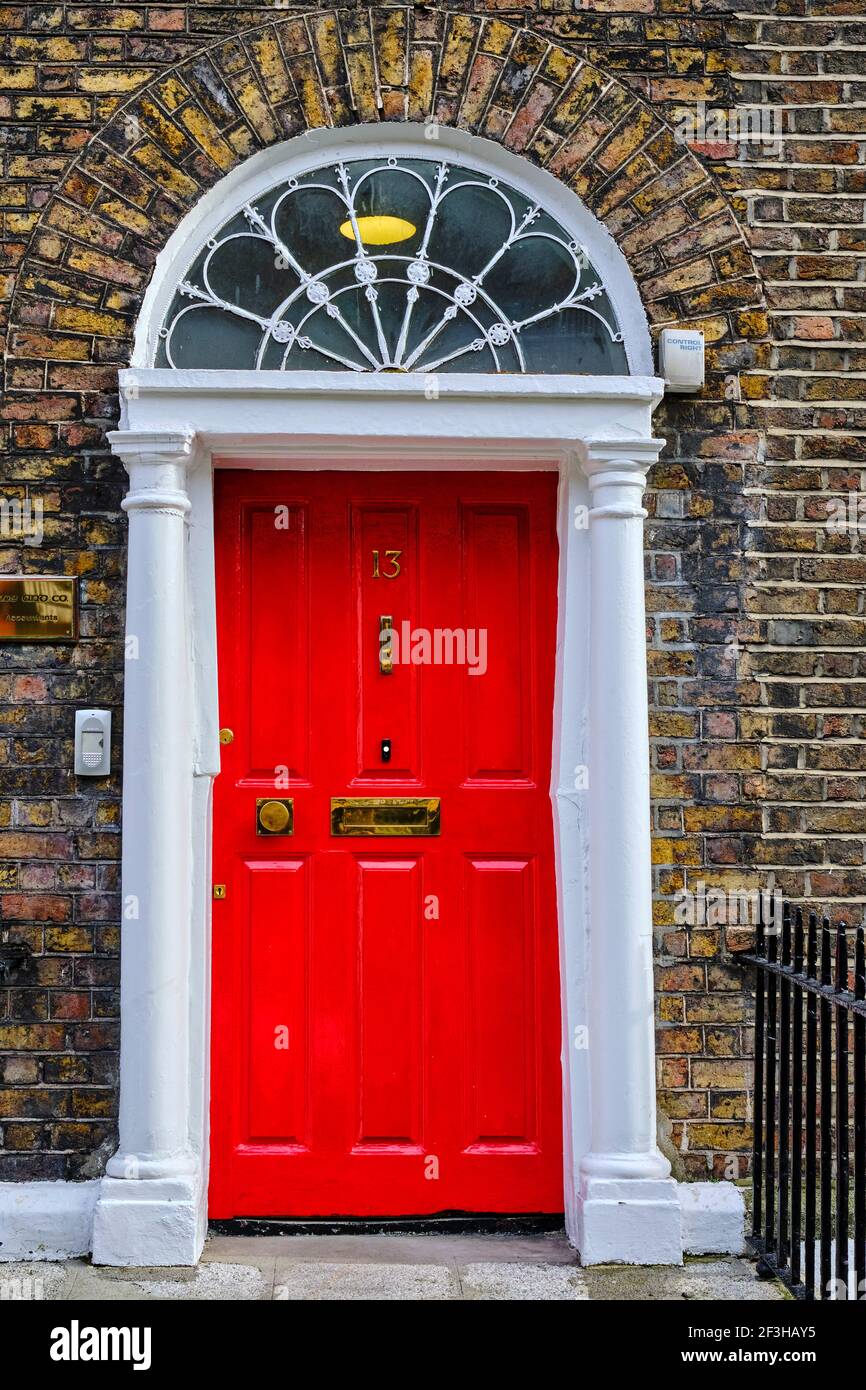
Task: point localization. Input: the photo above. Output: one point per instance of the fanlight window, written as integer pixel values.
(393, 264)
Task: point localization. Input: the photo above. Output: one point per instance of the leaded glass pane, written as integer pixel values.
(393, 265)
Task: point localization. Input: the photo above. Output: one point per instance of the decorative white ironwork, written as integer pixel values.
(347, 314)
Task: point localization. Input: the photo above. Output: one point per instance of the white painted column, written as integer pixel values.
(628, 1208)
(147, 1212)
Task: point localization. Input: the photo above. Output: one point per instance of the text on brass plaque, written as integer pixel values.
(385, 815)
(38, 608)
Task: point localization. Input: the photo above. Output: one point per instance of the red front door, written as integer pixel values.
(386, 1015)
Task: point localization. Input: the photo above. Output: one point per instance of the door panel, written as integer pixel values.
(277, 1022)
(496, 573)
(390, 1002)
(500, 1073)
(278, 641)
(386, 1017)
(385, 540)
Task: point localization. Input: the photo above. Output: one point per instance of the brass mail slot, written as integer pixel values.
(385, 815)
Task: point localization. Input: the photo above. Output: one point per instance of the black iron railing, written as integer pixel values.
(809, 1161)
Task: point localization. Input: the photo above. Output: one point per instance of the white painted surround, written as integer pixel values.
(620, 1201)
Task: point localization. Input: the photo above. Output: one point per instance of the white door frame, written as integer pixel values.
(619, 1199)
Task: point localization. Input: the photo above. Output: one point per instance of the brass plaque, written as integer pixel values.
(38, 608)
(385, 815)
(275, 815)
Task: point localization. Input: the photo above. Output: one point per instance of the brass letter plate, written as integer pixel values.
(275, 815)
(38, 608)
(385, 815)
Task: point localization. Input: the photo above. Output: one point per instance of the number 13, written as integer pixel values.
(392, 557)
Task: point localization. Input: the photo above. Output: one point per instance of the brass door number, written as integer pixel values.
(275, 816)
(391, 559)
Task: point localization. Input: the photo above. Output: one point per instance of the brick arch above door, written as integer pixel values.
(92, 252)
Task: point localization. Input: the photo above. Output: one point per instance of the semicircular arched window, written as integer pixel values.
(393, 265)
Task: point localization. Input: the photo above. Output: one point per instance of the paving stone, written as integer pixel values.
(34, 1281)
(327, 1281)
(701, 1280)
(237, 1283)
(521, 1280)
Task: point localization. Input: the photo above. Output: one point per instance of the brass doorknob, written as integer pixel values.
(274, 817)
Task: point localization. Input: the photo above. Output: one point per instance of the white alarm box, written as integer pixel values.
(92, 742)
(681, 359)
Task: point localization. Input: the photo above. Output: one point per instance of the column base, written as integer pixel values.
(149, 1221)
(714, 1218)
(634, 1221)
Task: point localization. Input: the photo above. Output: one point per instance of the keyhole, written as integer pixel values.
(386, 750)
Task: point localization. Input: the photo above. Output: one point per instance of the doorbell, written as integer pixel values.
(92, 742)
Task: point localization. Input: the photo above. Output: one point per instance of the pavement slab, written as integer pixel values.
(400, 1282)
(521, 1280)
(702, 1279)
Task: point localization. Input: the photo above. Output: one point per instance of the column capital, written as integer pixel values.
(153, 446)
(616, 470)
(157, 462)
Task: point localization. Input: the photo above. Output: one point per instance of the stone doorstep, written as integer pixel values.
(54, 1221)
